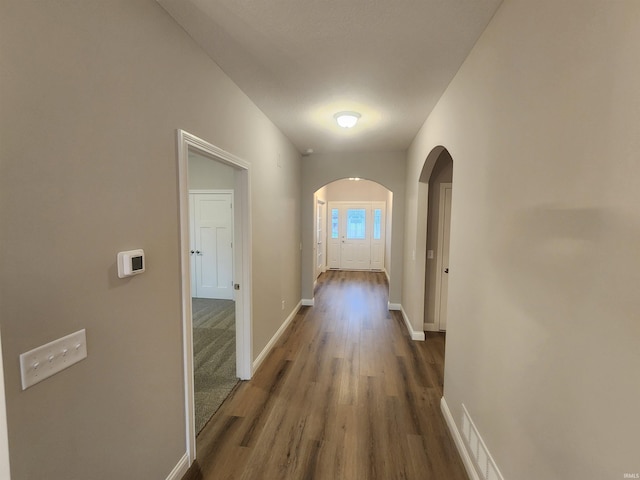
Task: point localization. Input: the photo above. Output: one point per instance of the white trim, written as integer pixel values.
(307, 302)
(5, 471)
(387, 275)
(414, 334)
(242, 263)
(267, 349)
(180, 469)
(430, 327)
(457, 438)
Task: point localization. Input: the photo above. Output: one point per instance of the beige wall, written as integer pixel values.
(542, 124)
(92, 93)
(385, 168)
(352, 191)
(208, 174)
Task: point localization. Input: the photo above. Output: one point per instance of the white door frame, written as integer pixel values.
(439, 256)
(187, 142)
(4, 436)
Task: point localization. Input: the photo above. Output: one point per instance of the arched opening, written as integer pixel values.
(434, 214)
(352, 226)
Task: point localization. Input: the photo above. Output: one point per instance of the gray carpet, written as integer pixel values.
(214, 354)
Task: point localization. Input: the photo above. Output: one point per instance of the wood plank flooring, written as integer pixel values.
(345, 394)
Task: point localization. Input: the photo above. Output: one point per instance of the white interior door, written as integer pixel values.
(377, 235)
(212, 245)
(333, 238)
(444, 227)
(321, 221)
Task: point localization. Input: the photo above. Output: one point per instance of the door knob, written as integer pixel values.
(191, 252)
(446, 270)
(198, 252)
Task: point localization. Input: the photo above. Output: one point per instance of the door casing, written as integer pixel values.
(187, 142)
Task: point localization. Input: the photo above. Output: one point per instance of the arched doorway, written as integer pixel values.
(352, 226)
(436, 182)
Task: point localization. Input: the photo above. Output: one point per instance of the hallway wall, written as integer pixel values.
(542, 124)
(92, 94)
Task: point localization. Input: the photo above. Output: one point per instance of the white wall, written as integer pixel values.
(385, 168)
(92, 93)
(542, 124)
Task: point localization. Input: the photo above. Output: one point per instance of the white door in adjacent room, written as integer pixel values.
(333, 239)
(212, 244)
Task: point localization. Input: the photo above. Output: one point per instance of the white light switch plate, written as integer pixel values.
(49, 359)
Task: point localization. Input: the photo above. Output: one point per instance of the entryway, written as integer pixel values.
(216, 277)
(436, 181)
(352, 229)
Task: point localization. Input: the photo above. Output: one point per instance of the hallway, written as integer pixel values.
(345, 394)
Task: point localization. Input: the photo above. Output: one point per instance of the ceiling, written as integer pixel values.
(301, 61)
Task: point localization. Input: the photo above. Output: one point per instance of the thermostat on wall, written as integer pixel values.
(130, 263)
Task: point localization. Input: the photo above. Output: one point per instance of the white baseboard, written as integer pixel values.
(265, 351)
(180, 469)
(415, 335)
(307, 302)
(485, 466)
(457, 438)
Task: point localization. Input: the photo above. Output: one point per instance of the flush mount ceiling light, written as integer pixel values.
(347, 119)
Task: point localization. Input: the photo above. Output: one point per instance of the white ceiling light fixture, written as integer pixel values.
(347, 119)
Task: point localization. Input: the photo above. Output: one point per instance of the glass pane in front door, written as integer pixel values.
(356, 224)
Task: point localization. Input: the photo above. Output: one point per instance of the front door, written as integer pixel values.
(355, 251)
(357, 238)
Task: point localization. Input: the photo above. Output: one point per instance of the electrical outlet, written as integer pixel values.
(47, 360)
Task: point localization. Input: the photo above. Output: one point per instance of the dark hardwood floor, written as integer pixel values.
(345, 394)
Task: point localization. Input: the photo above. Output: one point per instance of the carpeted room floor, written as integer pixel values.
(214, 353)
